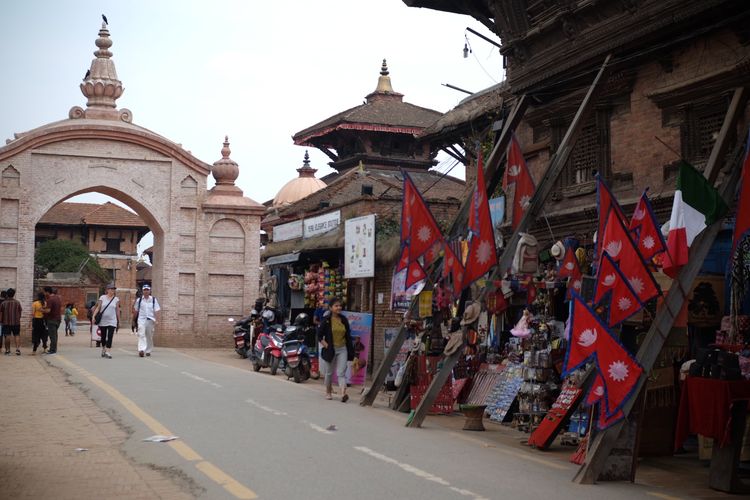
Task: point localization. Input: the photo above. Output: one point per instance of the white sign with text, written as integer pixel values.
(359, 247)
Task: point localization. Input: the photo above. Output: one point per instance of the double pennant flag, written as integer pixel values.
(610, 281)
(517, 173)
(605, 203)
(482, 253)
(419, 232)
(453, 269)
(617, 243)
(645, 230)
(592, 341)
(570, 269)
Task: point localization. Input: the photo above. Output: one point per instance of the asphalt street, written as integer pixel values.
(250, 435)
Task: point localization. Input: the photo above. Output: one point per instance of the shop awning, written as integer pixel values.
(282, 259)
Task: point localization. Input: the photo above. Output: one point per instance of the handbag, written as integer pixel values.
(98, 316)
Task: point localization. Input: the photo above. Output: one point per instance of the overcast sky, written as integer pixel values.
(259, 72)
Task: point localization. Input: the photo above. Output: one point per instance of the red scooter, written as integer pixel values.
(267, 349)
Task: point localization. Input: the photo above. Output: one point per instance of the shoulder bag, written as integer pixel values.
(98, 316)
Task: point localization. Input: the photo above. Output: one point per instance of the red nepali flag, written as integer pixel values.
(604, 202)
(617, 243)
(482, 253)
(452, 267)
(591, 340)
(419, 231)
(415, 272)
(742, 224)
(645, 230)
(623, 300)
(569, 265)
(575, 282)
(517, 173)
(596, 395)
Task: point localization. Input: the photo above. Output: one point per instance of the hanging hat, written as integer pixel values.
(455, 341)
(471, 314)
(558, 250)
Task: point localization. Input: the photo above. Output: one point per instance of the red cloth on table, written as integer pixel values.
(705, 408)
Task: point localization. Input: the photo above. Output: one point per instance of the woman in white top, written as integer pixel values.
(108, 306)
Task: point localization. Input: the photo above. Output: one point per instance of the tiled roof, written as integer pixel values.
(385, 114)
(92, 214)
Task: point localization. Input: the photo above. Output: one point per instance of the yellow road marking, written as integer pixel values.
(662, 495)
(186, 452)
(514, 453)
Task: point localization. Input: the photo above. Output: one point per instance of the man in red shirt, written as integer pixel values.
(10, 317)
(53, 317)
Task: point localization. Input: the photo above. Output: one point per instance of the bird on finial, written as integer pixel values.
(104, 18)
(88, 74)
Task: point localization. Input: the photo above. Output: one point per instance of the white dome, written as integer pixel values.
(299, 187)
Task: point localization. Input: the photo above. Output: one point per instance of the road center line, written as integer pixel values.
(201, 379)
(215, 474)
(419, 472)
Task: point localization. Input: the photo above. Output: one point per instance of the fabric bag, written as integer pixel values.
(98, 315)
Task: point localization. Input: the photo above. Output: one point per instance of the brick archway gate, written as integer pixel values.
(206, 242)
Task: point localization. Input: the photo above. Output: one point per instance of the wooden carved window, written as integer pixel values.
(700, 128)
(590, 155)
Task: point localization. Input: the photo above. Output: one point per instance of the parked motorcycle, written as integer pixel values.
(297, 364)
(244, 333)
(267, 349)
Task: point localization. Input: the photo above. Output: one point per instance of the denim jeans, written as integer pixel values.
(52, 327)
(339, 364)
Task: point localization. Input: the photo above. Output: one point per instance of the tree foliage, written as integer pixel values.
(64, 256)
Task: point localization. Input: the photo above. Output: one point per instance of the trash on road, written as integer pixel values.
(81, 449)
(160, 439)
(331, 428)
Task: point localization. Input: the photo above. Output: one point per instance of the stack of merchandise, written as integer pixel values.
(334, 284)
(313, 287)
(539, 388)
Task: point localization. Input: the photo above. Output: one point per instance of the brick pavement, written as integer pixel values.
(44, 419)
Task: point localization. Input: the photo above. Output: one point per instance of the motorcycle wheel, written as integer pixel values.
(297, 374)
(274, 365)
(256, 365)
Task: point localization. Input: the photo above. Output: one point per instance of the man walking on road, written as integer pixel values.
(146, 309)
(10, 318)
(52, 317)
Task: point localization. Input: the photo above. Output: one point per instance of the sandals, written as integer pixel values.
(329, 397)
(18, 352)
(344, 398)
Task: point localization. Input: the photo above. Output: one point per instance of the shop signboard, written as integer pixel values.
(400, 296)
(359, 247)
(361, 327)
(315, 226)
(289, 231)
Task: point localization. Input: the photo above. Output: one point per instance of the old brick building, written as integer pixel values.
(368, 145)
(111, 235)
(675, 65)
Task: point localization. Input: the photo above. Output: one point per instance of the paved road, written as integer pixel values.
(247, 435)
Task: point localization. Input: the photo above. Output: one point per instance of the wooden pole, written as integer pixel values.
(556, 165)
(459, 225)
(662, 324)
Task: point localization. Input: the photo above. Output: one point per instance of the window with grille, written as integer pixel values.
(701, 125)
(589, 156)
